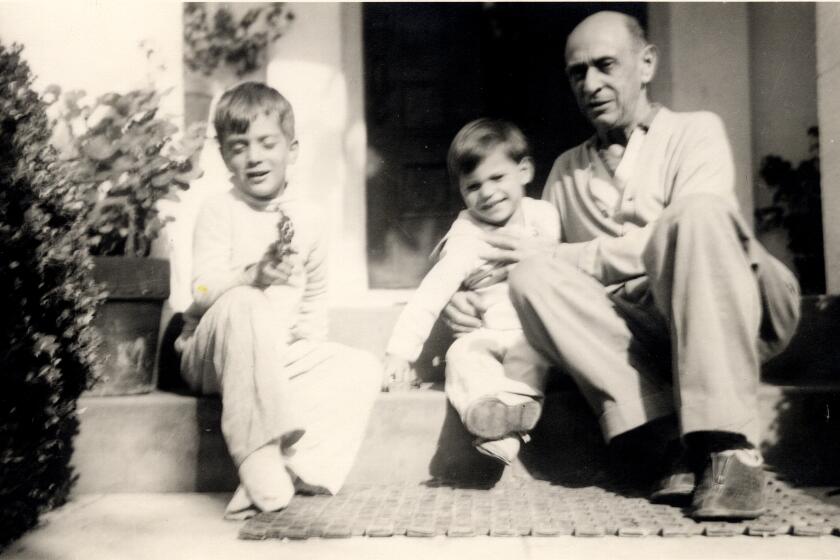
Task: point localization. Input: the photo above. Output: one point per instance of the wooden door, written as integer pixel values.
(431, 68)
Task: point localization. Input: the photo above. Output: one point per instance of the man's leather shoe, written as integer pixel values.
(732, 486)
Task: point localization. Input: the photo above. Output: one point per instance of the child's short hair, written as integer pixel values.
(477, 139)
(240, 105)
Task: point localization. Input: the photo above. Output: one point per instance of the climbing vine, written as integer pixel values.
(215, 36)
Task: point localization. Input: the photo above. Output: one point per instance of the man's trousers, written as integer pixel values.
(686, 338)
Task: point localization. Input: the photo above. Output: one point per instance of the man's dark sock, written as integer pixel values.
(639, 453)
(702, 444)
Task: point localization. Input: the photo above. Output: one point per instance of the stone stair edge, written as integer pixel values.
(433, 392)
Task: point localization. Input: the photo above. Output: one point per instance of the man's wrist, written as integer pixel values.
(568, 252)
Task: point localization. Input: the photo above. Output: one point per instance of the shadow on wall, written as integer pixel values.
(801, 442)
(801, 445)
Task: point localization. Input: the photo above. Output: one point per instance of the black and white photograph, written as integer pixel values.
(452, 280)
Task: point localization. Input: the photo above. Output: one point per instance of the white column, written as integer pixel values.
(705, 64)
(317, 65)
(828, 96)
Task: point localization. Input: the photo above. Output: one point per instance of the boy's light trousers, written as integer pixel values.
(492, 362)
(268, 387)
(687, 338)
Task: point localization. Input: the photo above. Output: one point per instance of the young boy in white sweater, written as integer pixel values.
(294, 407)
(494, 379)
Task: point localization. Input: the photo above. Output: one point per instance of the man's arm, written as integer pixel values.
(704, 165)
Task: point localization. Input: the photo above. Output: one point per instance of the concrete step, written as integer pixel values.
(164, 442)
(168, 442)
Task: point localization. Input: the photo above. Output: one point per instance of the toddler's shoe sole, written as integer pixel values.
(494, 417)
(504, 450)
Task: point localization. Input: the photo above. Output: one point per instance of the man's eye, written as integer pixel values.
(472, 187)
(237, 148)
(606, 65)
(576, 74)
(269, 143)
(497, 178)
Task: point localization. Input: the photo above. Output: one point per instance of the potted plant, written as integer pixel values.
(125, 157)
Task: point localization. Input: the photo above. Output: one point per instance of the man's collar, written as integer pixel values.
(647, 120)
(644, 124)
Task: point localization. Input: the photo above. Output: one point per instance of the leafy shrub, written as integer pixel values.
(124, 157)
(49, 298)
(797, 208)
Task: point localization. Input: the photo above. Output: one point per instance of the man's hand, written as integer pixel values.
(511, 250)
(398, 374)
(463, 313)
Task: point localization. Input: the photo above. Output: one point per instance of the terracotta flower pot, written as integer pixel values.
(129, 321)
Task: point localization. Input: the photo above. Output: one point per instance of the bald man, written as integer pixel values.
(658, 300)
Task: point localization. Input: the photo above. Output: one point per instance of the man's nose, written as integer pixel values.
(486, 190)
(591, 80)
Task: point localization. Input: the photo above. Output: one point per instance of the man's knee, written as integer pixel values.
(702, 222)
(528, 277)
(542, 277)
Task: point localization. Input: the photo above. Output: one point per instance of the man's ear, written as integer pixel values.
(293, 152)
(526, 170)
(649, 59)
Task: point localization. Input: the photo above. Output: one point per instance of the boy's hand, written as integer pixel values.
(268, 272)
(398, 374)
(463, 313)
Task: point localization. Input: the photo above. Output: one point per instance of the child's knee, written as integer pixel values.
(242, 300)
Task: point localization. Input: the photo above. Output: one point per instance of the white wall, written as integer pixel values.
(318, 66)
(95, 46)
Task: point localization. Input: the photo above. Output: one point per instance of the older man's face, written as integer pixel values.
(604, 68)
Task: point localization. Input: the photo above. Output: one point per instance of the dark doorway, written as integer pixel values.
(431, 68)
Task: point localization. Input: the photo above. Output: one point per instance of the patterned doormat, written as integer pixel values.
(525, 508)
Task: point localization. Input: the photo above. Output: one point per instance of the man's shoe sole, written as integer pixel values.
(493, 419)
(726, 514)
(679, 496)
